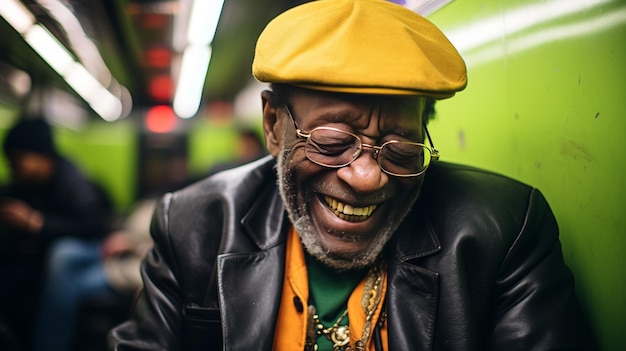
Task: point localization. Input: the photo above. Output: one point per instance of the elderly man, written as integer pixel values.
(353, 236)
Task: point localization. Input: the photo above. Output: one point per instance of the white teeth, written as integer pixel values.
(347, 209)
(348, 212)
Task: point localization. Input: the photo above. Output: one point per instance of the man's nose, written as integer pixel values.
(364, 174)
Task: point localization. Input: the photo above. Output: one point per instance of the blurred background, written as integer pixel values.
(147, 94)
(139, 90)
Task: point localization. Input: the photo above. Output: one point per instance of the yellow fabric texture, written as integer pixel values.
(359, 46)
(290, 332)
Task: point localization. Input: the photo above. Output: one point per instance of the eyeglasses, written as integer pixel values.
(335, 148)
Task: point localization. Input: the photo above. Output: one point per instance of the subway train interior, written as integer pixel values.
(146, 96)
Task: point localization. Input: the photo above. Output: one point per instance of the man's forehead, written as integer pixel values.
(356, 105)
(398, 116)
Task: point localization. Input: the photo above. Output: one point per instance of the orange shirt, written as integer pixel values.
(290, 332)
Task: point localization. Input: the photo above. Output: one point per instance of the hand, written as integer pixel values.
(20, 215)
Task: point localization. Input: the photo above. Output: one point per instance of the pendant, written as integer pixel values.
(340, 337)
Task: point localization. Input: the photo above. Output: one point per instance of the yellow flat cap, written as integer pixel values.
(359, 46)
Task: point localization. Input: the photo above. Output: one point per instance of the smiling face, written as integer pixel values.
(345, 215)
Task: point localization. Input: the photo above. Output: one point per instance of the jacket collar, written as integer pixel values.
(415, 238)
(266, 222)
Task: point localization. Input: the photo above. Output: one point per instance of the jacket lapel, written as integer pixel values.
(412, 300)
(249, 310)
(413, 292)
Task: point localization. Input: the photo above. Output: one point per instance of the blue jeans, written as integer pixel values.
(75, 271)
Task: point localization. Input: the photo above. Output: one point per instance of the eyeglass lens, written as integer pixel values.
(335, 148)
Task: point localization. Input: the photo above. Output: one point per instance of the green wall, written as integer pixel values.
(107, 153)
(545, 104)
(211, 143)
(8, 116)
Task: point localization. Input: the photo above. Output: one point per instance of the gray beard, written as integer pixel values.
(303, 224)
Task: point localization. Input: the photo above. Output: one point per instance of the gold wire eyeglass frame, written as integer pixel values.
(432, 152)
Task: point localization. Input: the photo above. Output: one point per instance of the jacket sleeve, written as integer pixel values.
(536, 307)
(157, 321)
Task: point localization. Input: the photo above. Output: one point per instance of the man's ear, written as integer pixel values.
(272, 125)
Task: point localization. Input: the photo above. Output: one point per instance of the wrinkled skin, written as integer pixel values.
(307, 187)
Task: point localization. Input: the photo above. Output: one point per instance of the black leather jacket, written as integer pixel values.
(477, 265)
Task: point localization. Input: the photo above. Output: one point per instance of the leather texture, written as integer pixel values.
(476, 265)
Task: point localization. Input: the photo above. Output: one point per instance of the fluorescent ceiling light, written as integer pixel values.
(203, 19)
(98, 97)
(107, 106)
(180, 26)
(49, 48)
(194, 66)
(80, 80)
(17, 15)
(205, 15)
(80, 43)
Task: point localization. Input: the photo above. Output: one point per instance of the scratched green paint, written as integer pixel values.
(546, 104)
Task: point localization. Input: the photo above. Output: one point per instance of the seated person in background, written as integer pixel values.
(79, 270)
(352, 236)
(48, 198)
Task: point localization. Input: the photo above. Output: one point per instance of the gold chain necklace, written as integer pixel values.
(338, 334)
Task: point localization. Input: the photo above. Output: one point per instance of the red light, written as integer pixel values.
(157, 57)
(161, 119)
(154, 20)
(161, 87)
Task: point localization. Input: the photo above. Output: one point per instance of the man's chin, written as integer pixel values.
(346, 262)
(342, 262)
(341, 258)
